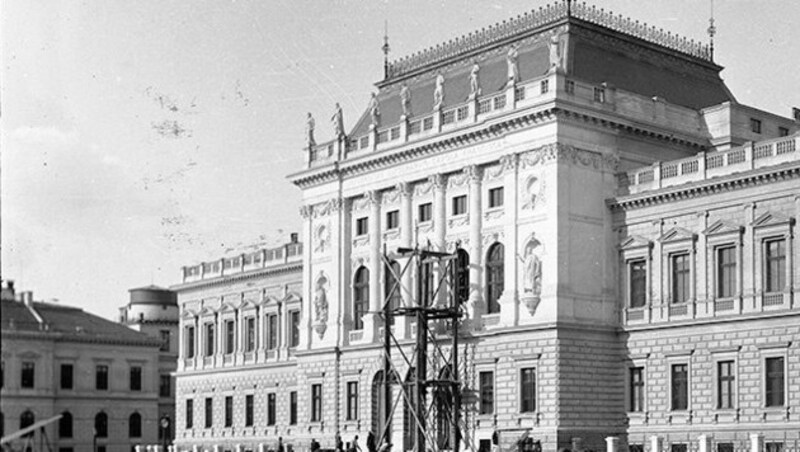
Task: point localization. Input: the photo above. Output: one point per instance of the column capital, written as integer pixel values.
(404, 188)
(474, 173)
(373, 197)
(306, 211)
(437, 181)
(509, 162)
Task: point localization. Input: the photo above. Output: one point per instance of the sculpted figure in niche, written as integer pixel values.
(534, 193)
(511, 60)
(474, 87)
(320, 300)
(438, 92)
(310, 130)
(373, 109)
(556, 53)
(405, 100)
(338, 122)
(532, 279)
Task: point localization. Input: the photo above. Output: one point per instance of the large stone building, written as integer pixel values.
(153, 311)
(627, 227)
(100, 376)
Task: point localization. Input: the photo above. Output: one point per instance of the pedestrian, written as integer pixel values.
(371, 442)
(314, 445)
(338, 445)
(280, 445)
(356, 447)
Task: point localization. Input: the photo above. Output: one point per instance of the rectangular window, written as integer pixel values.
(638, 283)
(773, 447)
(229, 411)
(248, 410)
(293, 408)
(635, 447)
(26, 380)
(527, 390)
(726, 271)
(392, 220)
(210, 339)
(190, 342)
(460, 205)
(101, 378)
(486, 380)
(569, 87)
(362, 226)
(136, 378)
(425, 212)
(636, 389)
(352, 400)
(724, 447)
(271, 408)
(775, 265)
(189, 413)
(680, 387)
(250, 334)
(294, 328)
(495, 197)
(680, 447)
(774, 382)
(544, 86)
(209, 412)
(755, 125)
(783, 132)
(230, 337)
(66, 376)
(165, 386)
(316, 402)
(272, 331)
(726, 380)
(599, 95)
(165, 340)
(680, 277)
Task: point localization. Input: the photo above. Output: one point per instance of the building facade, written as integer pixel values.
(101, 377)
(627, 229)
(154, 311)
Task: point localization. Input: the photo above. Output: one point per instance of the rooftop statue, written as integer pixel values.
(338, 122)
(438, 93)
(373, 109)
(310, 130)
(556, 54)
(474, 86)
(405, 100)
(511, 59)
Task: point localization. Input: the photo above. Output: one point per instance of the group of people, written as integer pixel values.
(351, 446)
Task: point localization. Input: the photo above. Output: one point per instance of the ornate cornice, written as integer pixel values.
(569, 154)
(690, 190)
(239, 277)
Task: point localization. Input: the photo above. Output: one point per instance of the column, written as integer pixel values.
(475, 307)
(198, 352)
(372, 319)
(509, 301)
(307, 213)
(704, 443)
(655, 444)
(181, 342)
(756, 442)
(612, 444)
(406, 235)
(439, 228)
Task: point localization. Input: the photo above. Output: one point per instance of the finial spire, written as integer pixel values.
(385, 49)
(712, 30)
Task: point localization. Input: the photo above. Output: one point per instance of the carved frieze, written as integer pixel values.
(568, 154)
(330, 207)
(461, 220)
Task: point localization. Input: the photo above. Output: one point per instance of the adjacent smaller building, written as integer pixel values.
(100, 376)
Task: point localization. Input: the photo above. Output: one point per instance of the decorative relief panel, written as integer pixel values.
(569, 154)
(532, 192)
(457, 180)
(461, 220)
(423, 188)
(490, 237)
(321, 288)
(494, 214)
(462, 241)
(329, 207)
(322, 238)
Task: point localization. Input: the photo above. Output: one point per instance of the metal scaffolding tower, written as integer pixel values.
(429, 388)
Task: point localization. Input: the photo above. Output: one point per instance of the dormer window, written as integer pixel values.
(755, 125)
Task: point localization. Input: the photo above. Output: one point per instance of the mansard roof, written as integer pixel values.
(600, 48)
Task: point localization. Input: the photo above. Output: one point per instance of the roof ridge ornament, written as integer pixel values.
(712, 30)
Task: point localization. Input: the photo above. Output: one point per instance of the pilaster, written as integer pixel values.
(474, 174)
(402, 323)
(372, 320)
(306, 212)
(509, 301)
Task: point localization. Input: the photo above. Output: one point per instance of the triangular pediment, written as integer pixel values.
(634, 241)
(676, 235)
(188, 313)
(723, 227)
(771, 219)
(227, 307)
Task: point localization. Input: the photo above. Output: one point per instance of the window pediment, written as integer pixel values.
(721, 227)
(677, 235)
(768, 219)
(634, 242)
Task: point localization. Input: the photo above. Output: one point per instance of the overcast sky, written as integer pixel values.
(140, 136)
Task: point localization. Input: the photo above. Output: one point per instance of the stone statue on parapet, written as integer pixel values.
(513, 72)
(310, 130)
(556, 54)
(474, 85)
(338, 122)
(438, 92)
(374, 110)
(405, 100)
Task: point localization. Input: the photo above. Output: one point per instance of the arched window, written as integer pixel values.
(26, 419)
(135, 425)
(429, 279)
(443, 397)
(65, 425)
(391, 287)
(462, 276)
(360, 297)
(101, 425)
(494, 277)
(380, 408)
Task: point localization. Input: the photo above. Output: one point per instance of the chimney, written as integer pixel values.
(293, 237)
(8, 290)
